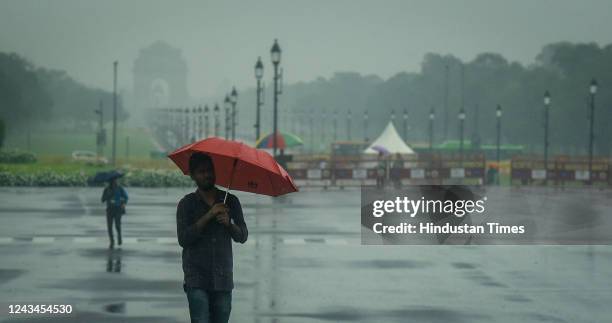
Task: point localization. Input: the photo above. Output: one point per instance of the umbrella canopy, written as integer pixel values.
(101, 177)
(238, 166)
(283, 140)
(380, 149)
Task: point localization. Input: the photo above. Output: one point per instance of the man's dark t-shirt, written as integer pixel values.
(207, 255)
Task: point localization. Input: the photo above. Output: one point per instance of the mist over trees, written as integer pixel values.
(564, 69)
(32, 96)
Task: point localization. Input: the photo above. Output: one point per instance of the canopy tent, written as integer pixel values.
(390, 140)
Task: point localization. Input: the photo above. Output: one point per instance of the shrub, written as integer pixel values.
(133, 178)
(17, 157)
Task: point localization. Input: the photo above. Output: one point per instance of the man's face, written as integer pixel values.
(204, 176)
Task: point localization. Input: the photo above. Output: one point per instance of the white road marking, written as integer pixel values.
(336, 242)
(294, 241)
(168, 240)
(84, 239)
(130, 240)
(43, 240)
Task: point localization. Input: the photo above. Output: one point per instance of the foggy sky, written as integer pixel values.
(221, 40)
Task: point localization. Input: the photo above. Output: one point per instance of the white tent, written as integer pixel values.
(390, 140)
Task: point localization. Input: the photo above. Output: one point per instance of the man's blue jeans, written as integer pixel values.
(208, 306)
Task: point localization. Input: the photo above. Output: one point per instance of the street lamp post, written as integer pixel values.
(180, 129)
(461, 128)
(194, 130)
(593, 91)
(258, 103)
(432, 116)
(311, 135)
(234, 100)
(115, 63)
(335, 125)
(216, 113)
(176, 125)
(498, 114)
(227, 105)
(100, 138)
(275, 53)
(295, 120)
(348, 125)
(206, 121)
(322, 125)
(186, 126)
(446, 87)
(546, 143)
(200, 125)
(365, 125)
(405, 124)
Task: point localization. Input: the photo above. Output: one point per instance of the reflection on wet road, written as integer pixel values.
(303, 263)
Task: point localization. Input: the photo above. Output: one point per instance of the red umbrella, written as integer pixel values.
(238, 166)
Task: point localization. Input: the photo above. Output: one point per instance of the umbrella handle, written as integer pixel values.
(231, 180)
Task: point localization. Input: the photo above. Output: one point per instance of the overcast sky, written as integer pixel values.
(221, 40)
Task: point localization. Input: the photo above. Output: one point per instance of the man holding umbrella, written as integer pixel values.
(209, 219)
(116, 198)
(206, 226)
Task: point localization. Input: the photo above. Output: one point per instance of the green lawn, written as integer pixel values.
(62, 144)
(51, 166)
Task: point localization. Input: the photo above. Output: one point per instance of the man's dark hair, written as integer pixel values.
(198, 159)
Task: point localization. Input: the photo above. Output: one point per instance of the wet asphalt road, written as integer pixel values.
(303, 263)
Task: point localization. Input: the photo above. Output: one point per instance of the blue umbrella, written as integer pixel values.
(102, 177)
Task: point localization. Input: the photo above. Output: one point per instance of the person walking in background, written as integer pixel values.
(116, 198)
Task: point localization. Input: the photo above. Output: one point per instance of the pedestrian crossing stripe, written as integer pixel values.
(84, 239)
(294, 241)
(130, 240)
(42, 240)
(166, 240)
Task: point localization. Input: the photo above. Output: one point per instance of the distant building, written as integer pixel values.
(160, 78)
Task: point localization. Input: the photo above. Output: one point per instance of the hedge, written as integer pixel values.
(133, 178)
(16, 157)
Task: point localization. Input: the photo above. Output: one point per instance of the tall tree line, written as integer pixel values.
(564, 69)
(31, 95)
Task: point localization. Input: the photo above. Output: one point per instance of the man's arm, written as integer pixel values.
(238, 230)
(189, 233)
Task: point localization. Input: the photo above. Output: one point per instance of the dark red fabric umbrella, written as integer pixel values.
(239, 166)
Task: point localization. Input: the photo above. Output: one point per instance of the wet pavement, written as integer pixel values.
(304, 262)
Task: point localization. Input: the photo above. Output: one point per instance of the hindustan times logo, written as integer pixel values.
(412, 207)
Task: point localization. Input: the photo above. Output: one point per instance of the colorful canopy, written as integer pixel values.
(283, 140)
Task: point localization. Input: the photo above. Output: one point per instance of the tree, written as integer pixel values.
(29, 95)
(22, 96)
